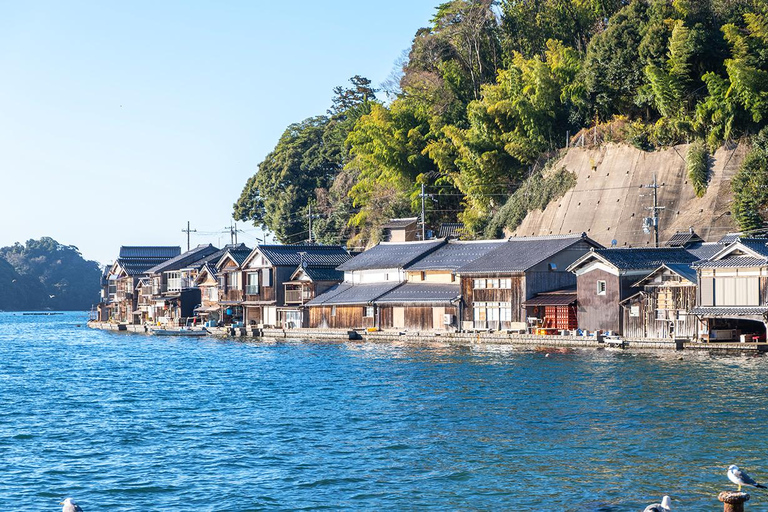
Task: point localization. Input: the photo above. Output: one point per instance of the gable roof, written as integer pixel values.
(317, 274)
(207, 268)
(149, 251)
(704, 250)
(185, 259)
(313, 255)
(456, 254)
(744, 252)
(450, 229)
(683, 238)
(519, 254)
(681, 269)
(400, 223)
(238, 254)
(636, 258)
(391, 255)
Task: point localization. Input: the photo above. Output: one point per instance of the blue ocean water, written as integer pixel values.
(131, 422)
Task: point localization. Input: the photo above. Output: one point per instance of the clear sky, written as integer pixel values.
(121, 121)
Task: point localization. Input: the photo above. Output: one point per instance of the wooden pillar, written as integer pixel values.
(733, 501)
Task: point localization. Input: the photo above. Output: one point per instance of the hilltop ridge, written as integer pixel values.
(608, 201)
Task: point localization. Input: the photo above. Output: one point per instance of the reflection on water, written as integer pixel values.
(123, 421)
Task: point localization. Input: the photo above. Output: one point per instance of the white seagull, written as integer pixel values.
(740, 477)
(664, 506)
(70, 506)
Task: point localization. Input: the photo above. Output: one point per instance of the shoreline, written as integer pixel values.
(458, 338)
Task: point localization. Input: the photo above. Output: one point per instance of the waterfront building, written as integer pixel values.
(209, 309)
(662, 309)
(120, 285)
(170, 295)
(280, 279)
(497, 288)
(733, 291)
(606, 277)
(231, 285)
(367, 277)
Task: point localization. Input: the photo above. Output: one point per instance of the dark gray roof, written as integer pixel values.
(521, 253)
(450, 229)
(391, 255)
(734, 311)
(239, 253)
(683, 238)
(138, 266)
(216, 256)
(732, 262)
(323, 273)
(162, 252)
(729, 238)
(400, 223)
(642, 258)
(705, 250)
(421, 293)
(351, 294)
(321, 255)
(684, 270)
(456, 254)
(184, 260)
(758, 245)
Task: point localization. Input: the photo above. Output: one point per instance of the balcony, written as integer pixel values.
(299, 296)
(231, 296)
(252, 289)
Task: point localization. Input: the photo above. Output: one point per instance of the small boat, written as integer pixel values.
(179, 331)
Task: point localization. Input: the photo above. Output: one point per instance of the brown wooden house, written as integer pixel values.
(231, 284)
(662, 308)
(605, 277)
(495, 287)
(280, 279)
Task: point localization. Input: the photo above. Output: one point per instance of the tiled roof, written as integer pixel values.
(683, 238)
(350, 294)
(421, 293)
(160, 252)
(216, 256)
(729, 238)
(683, 270)
(758, 245)
(551, 299)
(732, 262)
(450, 229)
(391, 255)
(138, 266)
(400, 223)
(185, 259)
(323, 273)
(704, 251)
(456, 254)
(521, 253)
(288, 255)
(239, 253)
(733, 311)
(642, 258)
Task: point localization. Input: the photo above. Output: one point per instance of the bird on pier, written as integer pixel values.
(70, 506)
(740, 477)
(664, 506)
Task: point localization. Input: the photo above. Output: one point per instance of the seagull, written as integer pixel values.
(664, 506)
(740, 477)
(70, 506)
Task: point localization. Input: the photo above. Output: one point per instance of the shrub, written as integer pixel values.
(698, 167)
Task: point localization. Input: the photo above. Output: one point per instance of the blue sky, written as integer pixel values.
(120, 121)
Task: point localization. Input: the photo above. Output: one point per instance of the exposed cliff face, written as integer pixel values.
(609, 201)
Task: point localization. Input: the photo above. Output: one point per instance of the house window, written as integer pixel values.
(174, 281)
(601, 287)
(479, 284)
(505, 284)
(333, 310)
(493, 283)
(368, 312)
(252, 288)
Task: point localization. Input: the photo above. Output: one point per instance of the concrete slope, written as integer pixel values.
(609, 201)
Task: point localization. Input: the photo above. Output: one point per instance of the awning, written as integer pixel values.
(207, 309)
(551, 299)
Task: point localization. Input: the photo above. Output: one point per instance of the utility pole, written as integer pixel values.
(655, 208)
(423, 218)
(188, 231)
(232, 228)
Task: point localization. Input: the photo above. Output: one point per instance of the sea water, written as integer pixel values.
(132, 422)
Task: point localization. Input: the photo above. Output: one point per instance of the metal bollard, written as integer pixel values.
(733, 501)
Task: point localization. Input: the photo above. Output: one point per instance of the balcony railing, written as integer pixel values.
(252, 289)
(297, 296)
(233, 296)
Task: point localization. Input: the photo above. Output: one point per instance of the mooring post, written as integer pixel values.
(733, 501)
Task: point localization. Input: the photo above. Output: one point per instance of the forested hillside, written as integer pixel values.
(46, 275)
(490, 91)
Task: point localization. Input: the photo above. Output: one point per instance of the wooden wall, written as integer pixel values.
(648, 325)
(417, 318)
(347, 317)
(598, 312)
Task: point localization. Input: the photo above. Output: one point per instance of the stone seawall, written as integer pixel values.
(457, 338)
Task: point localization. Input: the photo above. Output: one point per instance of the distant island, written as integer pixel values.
(46, 275)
